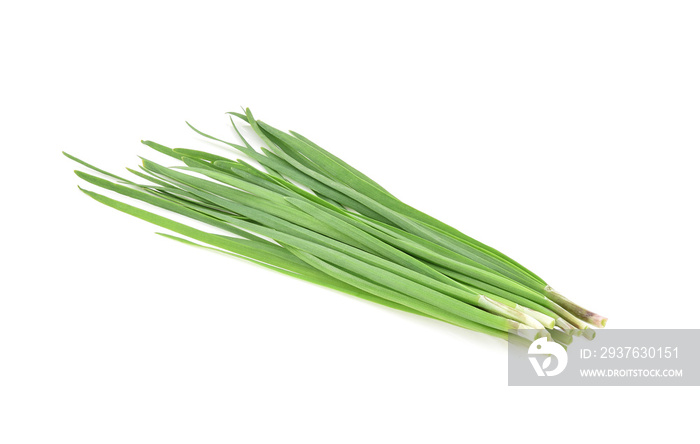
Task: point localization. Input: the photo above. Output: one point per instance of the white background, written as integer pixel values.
(565, 134)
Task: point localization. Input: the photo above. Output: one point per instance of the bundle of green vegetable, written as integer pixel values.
(308, 214)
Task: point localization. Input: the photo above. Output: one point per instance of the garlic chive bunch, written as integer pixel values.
(304, 212)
